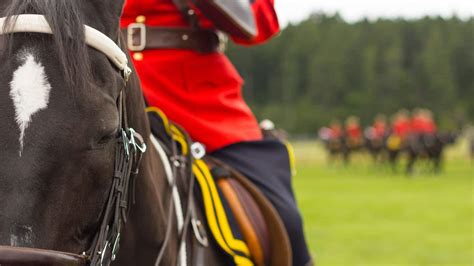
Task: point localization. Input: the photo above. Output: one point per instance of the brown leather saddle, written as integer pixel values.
(258, 221)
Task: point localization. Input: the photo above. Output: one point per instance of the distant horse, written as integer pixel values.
(395, 147)
(430, 146)
(376, 146)
(334, 146)
(342, 147)
(69, 163)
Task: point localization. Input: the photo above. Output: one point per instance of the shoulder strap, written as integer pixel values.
(187, 12)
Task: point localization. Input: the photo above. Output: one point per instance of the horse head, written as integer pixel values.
(60, 120)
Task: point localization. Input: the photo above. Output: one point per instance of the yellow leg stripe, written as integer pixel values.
(173, 131)
(183, 143)
(163, 117)
(176, 131)
(179, 137)
(291, 154)
(227, 232)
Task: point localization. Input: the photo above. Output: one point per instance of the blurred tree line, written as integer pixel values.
(325, 68)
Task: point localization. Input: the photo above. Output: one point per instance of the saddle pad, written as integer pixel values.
(220, 219)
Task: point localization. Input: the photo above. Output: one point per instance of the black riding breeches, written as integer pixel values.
(266, 163)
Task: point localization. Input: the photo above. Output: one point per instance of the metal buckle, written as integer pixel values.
(133, 142)
(198, 150)
(115, 248)
(126, 144)
(131, 32)
(197, 226)
(223, 40)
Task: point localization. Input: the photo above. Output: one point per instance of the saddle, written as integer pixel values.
(238, 217)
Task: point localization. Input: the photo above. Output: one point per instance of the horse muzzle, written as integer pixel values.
(14, 256)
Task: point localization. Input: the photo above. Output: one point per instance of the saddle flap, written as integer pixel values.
(249, 218)
(275, 247)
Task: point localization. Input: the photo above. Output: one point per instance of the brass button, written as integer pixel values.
(138, 56)
(140, 19)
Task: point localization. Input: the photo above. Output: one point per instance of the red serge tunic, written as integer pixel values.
(422, 125)
(201, 92)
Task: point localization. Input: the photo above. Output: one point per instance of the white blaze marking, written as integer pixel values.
(29, 91)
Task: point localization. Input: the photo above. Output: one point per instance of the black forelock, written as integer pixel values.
(67, 24)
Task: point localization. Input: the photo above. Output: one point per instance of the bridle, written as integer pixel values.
(130, 147)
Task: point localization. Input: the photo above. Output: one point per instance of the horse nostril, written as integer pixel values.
(21, 236)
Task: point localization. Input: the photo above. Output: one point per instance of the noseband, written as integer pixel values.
(130, 147)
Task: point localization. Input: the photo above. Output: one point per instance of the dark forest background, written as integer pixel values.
(325, 68)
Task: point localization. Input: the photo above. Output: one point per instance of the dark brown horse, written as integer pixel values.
(430, 146)
(73, 191)
(61, 125)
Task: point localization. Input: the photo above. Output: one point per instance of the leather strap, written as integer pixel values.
(141, 37)
(34, 23)
(31, 256)
(187, 12)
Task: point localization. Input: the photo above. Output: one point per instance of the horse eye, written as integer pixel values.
(102, 141)
(107, 138)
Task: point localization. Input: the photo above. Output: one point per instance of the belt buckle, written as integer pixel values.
(132, 30)
(223, 40)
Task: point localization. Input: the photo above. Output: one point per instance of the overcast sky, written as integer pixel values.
(353, 10)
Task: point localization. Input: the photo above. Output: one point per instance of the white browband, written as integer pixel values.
(94, 38)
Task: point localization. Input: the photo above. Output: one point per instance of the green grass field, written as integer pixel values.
(366, 215)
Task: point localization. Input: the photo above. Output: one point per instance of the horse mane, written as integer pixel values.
(67, 24)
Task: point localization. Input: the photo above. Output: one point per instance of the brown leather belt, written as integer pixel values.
(141, 37)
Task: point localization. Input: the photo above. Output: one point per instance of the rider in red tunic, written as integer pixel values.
(402, 127)
(200, 89)
(422, 122)
(336, 130)
(379, 127)
(353, 132)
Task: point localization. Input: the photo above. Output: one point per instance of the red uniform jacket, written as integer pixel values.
(422, 125)
(336, 132)
(201, 92)
(402, 128)
(354, 132)
(379, 130)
